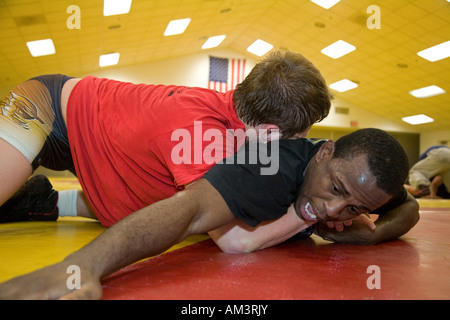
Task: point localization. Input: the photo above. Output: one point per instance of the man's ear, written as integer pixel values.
(268, 132)
(326, 151)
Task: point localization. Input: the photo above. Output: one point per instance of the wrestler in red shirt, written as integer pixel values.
(132, 151)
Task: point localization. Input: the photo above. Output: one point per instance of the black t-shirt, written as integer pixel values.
(259, 182)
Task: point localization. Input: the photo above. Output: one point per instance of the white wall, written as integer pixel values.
(190, 70)
(430, 139)
(363, 117)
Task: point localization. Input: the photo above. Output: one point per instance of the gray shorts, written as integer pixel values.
(31, 121)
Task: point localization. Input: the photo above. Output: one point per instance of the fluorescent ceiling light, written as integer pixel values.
(327, 4)
(343, 85)
(41, 47)
(177, 26)
(213, 42)
(259, 47)
(418, 119)
(438, 52)
(114, 7)
(338, 49)
(427, 92)
(109, 59)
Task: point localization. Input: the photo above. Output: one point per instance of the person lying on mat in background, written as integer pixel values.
(436, 190)
(316, 180)
(430, 176)
(121, 138)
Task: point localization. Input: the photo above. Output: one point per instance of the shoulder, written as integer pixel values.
(298, 152)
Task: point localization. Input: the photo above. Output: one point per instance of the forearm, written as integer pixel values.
(238, 237)
(130, 240)
(397, 222)
(434, 186)
(143, 234)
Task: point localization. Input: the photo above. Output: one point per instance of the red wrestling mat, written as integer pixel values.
(414, 267)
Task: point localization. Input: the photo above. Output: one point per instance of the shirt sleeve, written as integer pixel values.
(250, 197)
(253, 196)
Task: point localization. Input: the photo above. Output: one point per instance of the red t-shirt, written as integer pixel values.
(135, 144)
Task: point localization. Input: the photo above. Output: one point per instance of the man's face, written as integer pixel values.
(338, 189)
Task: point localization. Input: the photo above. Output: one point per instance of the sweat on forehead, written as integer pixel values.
(386, 157)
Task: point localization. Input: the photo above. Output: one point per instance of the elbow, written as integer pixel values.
(411, 217)
(416, 218)
(415, 215)
(411, 213)
(233, 241)
(236, 247)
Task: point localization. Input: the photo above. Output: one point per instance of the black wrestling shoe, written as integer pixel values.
(35, 201)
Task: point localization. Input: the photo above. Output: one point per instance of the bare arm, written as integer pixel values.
(389, 226)
(145, 233)
(434, 187)
(238, 237)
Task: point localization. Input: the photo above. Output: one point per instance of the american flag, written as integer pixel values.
(225, 74)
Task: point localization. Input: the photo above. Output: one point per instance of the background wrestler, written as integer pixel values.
(430, 176)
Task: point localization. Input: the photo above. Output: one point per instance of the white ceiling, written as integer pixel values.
(385, 63)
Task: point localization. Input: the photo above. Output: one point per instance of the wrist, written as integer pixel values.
(357, 233)
(88, 267)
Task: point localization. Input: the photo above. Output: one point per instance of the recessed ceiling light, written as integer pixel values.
(327, 4)
(427, 92)
(260, 47)
(213, 42)
(177, 26)
(338, 49)
(418, 119)
(438, 52)
(343, 85)
(109, 59)
(114, 7)
(41, 47)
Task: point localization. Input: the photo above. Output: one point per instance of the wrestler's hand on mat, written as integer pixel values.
(340, 225)
(359, 230)
(51, 283)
